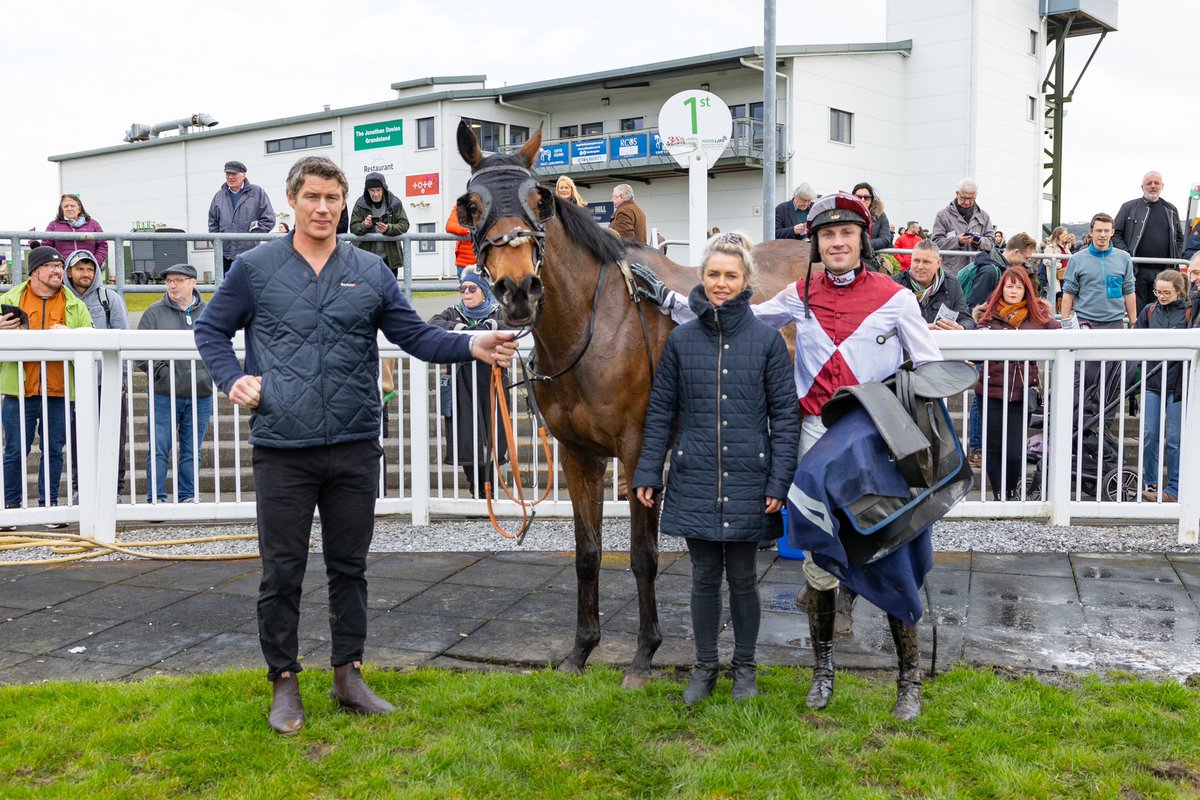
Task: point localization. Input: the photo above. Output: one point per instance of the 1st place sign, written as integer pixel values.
(695, 122)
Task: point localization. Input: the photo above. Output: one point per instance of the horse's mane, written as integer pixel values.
(583, 231)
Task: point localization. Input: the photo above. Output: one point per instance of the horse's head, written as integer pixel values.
(506, 210)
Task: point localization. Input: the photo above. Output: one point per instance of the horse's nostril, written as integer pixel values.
(533, 286)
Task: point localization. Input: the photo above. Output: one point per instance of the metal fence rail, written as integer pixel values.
(1090, 464)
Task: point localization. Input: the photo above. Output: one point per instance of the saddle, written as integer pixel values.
(909, 412)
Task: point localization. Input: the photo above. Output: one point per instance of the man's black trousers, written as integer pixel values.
(341, 480)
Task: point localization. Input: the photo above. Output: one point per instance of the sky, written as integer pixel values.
(80, 73)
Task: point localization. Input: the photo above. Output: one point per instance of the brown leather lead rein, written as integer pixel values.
(498, 399)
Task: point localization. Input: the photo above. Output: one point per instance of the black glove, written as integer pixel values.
(655, 290)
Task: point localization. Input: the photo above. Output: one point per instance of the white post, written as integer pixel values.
(108, 453)
(85, 437)
(697, 207)
(1189, 463)
(1056, 450)
(419, 436)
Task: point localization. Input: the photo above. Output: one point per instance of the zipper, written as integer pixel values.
(720, 350)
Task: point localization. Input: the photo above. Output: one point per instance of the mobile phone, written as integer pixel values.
(16, 311)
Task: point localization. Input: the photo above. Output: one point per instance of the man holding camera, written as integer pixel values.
(962, 225)
(380, 211)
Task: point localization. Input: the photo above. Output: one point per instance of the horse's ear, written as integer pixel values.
(529, 151)
(468, 145)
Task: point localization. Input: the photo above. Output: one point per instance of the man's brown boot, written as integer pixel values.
(287, 711)
(353, 694)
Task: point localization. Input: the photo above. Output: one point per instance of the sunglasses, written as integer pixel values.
(864, 197)
(468, 289)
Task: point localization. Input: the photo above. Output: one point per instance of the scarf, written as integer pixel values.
(929, 290)
(480, 312)
(78, 222)
(1012, 313)
(846, 278)
(965, 213)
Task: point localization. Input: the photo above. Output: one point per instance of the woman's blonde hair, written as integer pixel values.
(563, 180)
(733, 243)
(1052, 239)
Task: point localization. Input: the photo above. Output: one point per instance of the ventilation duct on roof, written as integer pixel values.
(140, 133)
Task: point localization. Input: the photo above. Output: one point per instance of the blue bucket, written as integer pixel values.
(785, 549)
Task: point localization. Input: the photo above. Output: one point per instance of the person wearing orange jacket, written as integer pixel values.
(464, 253)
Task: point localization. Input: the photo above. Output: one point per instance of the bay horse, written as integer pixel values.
(554, 271)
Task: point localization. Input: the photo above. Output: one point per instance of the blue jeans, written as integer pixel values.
(1170, 440)
(975, 425)
(55, 426)
(181, 421)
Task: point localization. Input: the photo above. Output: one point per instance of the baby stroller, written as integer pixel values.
(1097, 451)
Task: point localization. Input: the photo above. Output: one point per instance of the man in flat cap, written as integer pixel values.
(45, 306)
(174, 406)
(239, 207)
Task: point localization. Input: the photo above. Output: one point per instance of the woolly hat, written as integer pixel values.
(40, 256)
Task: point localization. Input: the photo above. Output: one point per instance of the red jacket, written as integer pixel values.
(906, 241)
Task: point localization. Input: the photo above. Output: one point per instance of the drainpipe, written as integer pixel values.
(787, 168)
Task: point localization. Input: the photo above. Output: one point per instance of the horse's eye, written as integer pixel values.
(473, 208)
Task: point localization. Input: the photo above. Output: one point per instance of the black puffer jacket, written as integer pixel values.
(1157, 316)
(948, 293)
(727, 380)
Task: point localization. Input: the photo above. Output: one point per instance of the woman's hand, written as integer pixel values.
(645, 496)
(773, 505)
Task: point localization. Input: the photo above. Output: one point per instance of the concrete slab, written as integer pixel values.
(548, 608)
(1187, 567)
(204, 611)
(52, 668)
(121, 602)
(1147, 567)
(1113, 594)
(384, 594)
(137, 644)
(1055, 565)
(194, 575)
(514, 574)
(419, 632)
(426, 567)
(1026, 650)
(455, 599)
(990, 586)
(43, 590)
(527, 643)
(42, 632)
(223, 651)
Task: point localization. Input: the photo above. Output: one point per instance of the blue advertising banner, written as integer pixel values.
(554, 155)
(656, 145)
(634, 145)
(602, 213)
(589, 151)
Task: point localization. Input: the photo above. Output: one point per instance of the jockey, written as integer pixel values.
(852, 326)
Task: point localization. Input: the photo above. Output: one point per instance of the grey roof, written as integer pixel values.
(608, 79)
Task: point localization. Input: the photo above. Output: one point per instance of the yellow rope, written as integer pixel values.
(78, 547)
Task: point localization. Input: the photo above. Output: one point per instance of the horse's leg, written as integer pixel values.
(585, 477)
(643, 555)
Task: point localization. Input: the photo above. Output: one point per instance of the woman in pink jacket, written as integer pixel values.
(72, 217)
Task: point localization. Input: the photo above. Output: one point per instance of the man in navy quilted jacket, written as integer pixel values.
(311, 307)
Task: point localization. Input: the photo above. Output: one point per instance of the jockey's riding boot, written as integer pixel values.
(745, 680)
(704, 678)
(655, 290)
(845, 610)
(908, 684)
(822, 609)
(353, 694)
(287, 711)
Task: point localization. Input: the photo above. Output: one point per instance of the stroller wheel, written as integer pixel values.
(1125, 489)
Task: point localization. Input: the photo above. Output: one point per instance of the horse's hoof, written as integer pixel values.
(635, 680)
(570, 668)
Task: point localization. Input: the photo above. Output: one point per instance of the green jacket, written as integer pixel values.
(390, 252)
(78, 316)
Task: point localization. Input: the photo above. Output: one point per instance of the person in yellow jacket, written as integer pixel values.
(45, 305)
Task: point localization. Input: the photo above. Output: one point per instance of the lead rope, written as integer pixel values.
(498, 399)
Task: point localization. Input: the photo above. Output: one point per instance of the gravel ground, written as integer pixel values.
(394, 534)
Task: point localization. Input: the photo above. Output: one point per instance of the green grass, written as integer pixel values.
(544, 735)
(140, 301)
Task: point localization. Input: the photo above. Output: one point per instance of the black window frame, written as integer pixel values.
(289, 144)
(835, 128)
(568, 131)
(591, 129)
(426, 127)
(490, 141)
(633, 124)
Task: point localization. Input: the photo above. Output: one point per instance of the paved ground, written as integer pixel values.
(1046, 612)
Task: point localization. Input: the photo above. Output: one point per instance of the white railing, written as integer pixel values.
(422, 478)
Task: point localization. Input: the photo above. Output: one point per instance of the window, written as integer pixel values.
(756, 111)
(592, 128)
(518, 134)
(568, 131)
(489, 134)
(633, 124)
(1032, 114)
(426, 246)
(1033, 42)
(841, 126)
(425, 139)
(300, 142)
